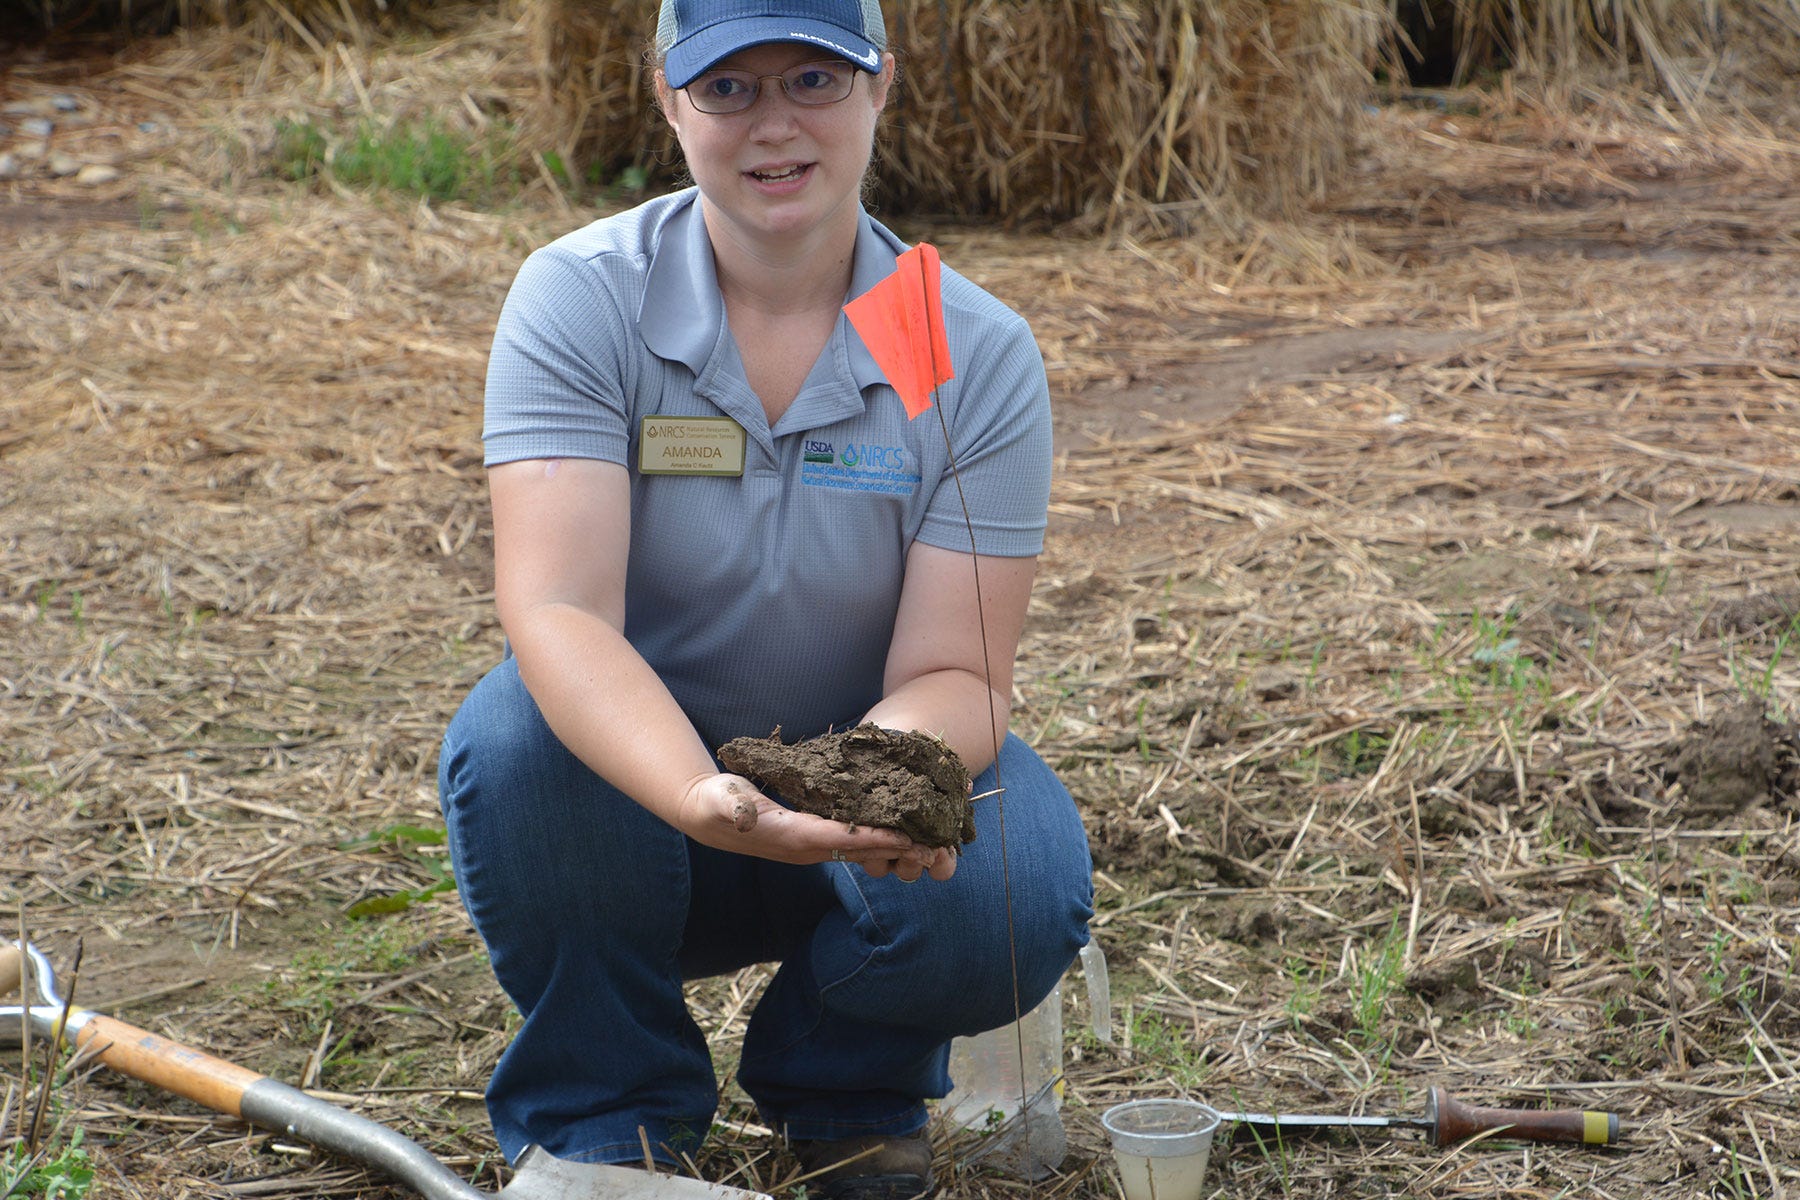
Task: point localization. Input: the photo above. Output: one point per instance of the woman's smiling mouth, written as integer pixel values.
(782, 175)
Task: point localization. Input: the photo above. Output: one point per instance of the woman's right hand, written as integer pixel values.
(728, 812)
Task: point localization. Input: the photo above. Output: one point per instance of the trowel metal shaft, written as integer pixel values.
(1447, 1120)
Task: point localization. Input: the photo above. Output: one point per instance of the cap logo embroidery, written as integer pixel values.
(868, 60)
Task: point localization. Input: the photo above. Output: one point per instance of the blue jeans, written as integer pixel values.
(594, 912)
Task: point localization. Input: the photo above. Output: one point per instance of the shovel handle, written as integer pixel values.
(138, 1053)
(1452, 1121)
(187, 1072)
(236, 1091)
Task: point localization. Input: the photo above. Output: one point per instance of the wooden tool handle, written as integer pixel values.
(200, 1077)
(1453, 1121)
(140, 1054)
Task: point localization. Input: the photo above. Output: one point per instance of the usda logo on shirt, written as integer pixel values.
(858, 467)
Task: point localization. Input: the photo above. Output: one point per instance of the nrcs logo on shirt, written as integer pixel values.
(858, 467)
(884, 458)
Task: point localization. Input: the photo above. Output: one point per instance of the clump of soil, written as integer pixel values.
(1735, 761)
(868, 775)
(1453, 983)
(1756, 614)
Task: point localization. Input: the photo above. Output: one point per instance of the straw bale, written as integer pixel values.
(1051, 109)
(594, 105)
(1081, 108)
(1746, 52)
(265, 19)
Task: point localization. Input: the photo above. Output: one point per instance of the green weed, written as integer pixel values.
(1303, 990)
(316, 986)
(1498, 661)
(1737, 1183)
(1759, 684)
(409, 843)
(421, 158)
(1363, 751)
(1174, 1050)
(1381, 973)
(300, 150)
(46, 595)
(66, 1174)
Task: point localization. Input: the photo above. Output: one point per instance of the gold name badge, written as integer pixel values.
(690, 446)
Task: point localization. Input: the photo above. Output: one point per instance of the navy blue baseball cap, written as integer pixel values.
(693, 35)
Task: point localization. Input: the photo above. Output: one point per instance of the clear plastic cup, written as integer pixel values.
(1161, 1147)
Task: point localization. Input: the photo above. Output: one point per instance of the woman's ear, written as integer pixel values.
(878, 87)
(665, 99)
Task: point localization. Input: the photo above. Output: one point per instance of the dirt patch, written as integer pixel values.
(868, 775)
(1744, 518)
(1737, 760)
(1217, 386)
(1762, 613)
(23, 217)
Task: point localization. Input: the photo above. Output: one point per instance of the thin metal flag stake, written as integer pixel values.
(893, 321)
(987, 675)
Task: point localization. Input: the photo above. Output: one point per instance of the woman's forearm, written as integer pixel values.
(607, 705)
(949, 704)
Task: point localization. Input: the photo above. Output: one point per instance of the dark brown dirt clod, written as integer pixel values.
(868, 775)
(1737, 759)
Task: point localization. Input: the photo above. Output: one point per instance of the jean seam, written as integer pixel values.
(841, 980)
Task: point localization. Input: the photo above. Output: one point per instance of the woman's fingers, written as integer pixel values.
(745, 820)
(743, 807)
(920, 861)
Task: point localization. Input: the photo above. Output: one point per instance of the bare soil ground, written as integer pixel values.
(1414, 628)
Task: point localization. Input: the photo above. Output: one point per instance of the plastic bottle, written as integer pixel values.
(1099, 991)
(990, 1090)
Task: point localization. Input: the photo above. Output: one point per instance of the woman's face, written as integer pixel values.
(780, 169)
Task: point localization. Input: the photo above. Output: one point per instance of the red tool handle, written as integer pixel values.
(1452, 1121)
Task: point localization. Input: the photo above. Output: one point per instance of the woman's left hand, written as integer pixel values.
(908, 870)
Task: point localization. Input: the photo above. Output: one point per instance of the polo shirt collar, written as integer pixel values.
(682, 311)
(682, 314)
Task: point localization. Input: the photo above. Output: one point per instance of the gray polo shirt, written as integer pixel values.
(766, 599)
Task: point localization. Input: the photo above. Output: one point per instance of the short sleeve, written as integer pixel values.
(1002, 434)
(558, 374)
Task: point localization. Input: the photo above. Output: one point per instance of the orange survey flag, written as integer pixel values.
(901, 321)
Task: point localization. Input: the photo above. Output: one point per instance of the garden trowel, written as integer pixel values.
(238, 1092)
(1447, 1121)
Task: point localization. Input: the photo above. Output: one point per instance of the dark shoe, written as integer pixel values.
(868, 1168)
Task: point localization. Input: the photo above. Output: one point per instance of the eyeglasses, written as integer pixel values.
(812, 84)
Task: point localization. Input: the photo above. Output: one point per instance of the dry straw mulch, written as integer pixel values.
(1694, 51)
(1401, 691)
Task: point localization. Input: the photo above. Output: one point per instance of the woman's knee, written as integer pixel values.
(532, 829)
(963, 954)
(495, 730)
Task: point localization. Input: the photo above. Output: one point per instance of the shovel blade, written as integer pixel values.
(540, 1176)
